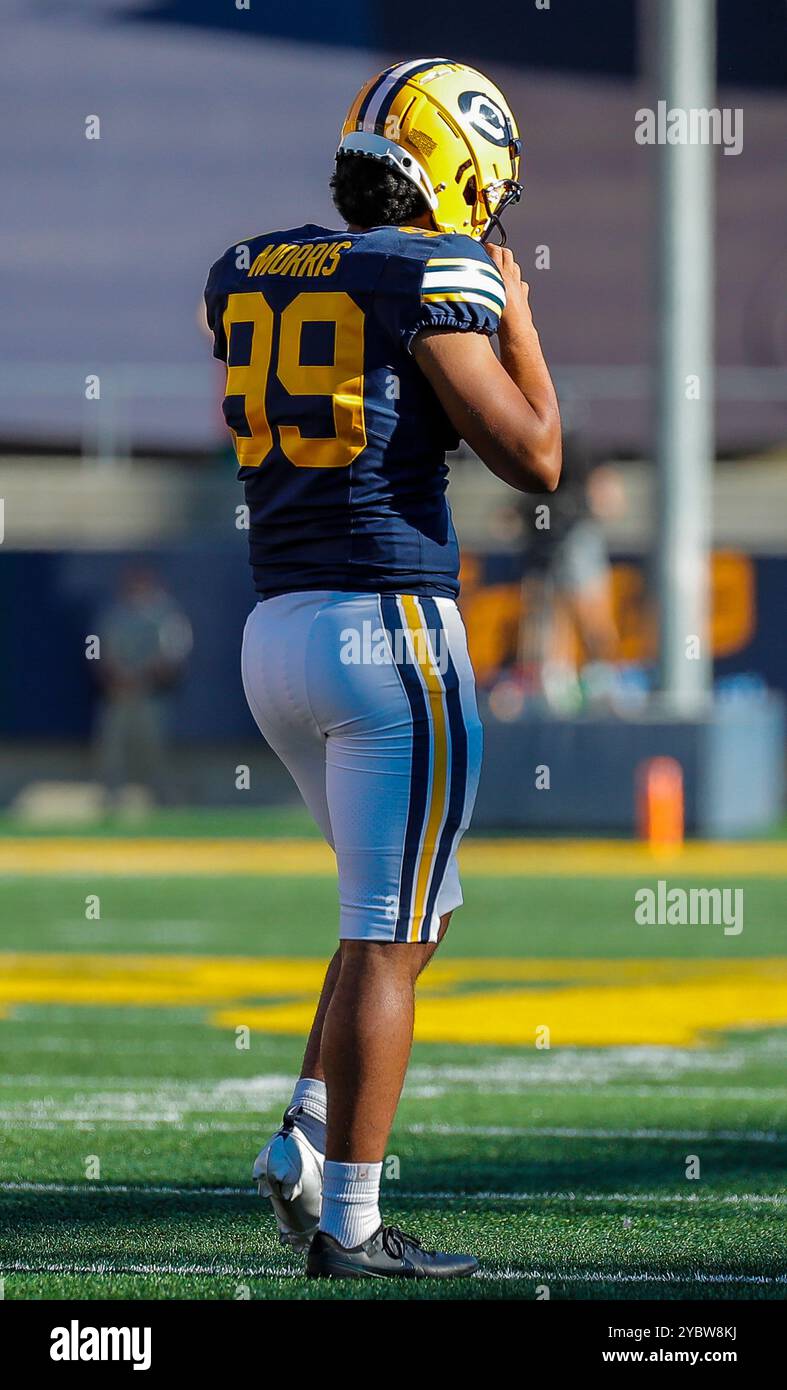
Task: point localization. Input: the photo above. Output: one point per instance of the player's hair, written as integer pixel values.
(370, 193)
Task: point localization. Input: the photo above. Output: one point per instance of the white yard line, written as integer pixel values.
(626, 1198)
(173, 1190)
(596, 1276)
(117, 1188)
(600, 1276)
(251, 1087)
(55, 1084)
(720, 1091)
(292, 1271)
(737, 1136)
(92, 1121)
(15, 1119)
(162, 1267)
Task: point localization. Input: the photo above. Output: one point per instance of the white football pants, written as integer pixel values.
(369, 701)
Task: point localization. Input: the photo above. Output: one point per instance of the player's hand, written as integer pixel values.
(516, 319)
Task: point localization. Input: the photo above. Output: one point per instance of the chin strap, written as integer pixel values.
(512, 195)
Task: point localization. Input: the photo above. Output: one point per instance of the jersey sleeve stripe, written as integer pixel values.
(464, 298)
(465, 278)
(463, 263)
(452, 291)
(462, 272)
(474, 261)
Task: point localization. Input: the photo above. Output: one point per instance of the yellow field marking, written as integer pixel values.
(584, 1003)
(485, 858)
(165, 857)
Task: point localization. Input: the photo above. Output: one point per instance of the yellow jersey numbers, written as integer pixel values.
(342, 380)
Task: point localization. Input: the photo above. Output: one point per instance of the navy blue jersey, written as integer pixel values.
(340, 439)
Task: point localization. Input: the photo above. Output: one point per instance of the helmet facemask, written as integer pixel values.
(497, 197)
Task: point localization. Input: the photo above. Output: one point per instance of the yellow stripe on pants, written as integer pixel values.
(439, 787)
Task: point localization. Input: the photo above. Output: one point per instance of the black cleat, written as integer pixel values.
(388, 1254)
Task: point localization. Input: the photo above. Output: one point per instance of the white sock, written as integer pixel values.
(351, 1201)
(312, 1096)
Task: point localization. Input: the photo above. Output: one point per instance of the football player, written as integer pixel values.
(355, 359)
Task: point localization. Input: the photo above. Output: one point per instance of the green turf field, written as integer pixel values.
(130, 1116)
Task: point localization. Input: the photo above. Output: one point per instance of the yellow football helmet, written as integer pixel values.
(448, 129)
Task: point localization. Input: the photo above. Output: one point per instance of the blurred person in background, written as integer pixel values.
(569, 637)
(145, 639)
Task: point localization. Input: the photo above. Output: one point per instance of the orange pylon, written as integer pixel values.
(660, 814)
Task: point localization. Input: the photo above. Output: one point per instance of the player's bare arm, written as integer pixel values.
(506, 409)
